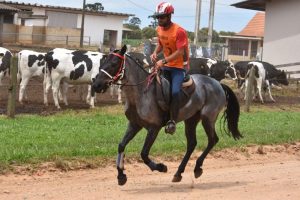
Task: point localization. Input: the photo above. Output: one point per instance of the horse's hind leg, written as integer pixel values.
(209, 127)
(131, 131)
(151, 136)
(190, 134)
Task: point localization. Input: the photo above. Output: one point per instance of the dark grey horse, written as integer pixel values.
(143, 111)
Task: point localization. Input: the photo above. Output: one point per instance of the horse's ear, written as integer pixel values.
(124, 49)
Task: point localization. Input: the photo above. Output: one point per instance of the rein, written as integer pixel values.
(149, 77)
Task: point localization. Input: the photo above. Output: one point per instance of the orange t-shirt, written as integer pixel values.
(172, 39)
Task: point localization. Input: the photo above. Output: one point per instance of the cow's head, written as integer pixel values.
(110, 71)
(230, 70)
(282, 78)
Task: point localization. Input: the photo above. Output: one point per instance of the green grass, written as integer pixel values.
(32, 139)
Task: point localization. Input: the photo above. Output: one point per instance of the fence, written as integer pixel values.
(42, 39)
(292, 70)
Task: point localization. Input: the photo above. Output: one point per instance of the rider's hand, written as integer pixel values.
(153, 57)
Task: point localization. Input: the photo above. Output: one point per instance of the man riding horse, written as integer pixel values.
(173, 41)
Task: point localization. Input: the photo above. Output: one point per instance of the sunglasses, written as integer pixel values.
(161, 17)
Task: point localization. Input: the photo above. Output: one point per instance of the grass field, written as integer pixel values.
(93, 136)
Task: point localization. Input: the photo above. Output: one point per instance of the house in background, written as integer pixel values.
(248, 43)
(6, 16)
(282, 32)
(43, 24)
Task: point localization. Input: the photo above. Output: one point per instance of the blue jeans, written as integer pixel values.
(176, 77)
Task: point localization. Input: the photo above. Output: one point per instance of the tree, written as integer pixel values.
(153, 24)
(148, 32)
(133, 24)
(191, 35)
(94, 7)
(227, 33)
(135, 21)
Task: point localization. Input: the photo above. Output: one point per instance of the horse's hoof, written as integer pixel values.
(198, 172)
(162, 168)
(122, 179)
(176, 178)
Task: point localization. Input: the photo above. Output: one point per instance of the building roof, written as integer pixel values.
(259, 5)
(8, 8)
(60, 8)
(255, 27)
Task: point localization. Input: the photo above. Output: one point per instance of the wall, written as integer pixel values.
(282, 33)
(95, 26)
(63, 36)
(9, 31)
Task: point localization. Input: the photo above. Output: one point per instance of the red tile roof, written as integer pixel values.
(255, 26)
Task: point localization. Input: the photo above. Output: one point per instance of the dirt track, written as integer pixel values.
(271, 172)
(255, 173)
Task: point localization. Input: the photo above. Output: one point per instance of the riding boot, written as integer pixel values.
(174, 110)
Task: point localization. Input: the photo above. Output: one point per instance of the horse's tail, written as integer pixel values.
(231, 113)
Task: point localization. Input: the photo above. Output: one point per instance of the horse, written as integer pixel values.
(143, 111)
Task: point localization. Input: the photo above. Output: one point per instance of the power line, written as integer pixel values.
(140, 6)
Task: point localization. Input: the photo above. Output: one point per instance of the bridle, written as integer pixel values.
(120, 74)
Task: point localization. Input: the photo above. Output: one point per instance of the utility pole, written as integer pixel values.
(211, 23)
(82, 24)
(197, 21)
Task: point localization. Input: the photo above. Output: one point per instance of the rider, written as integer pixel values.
(173, 41)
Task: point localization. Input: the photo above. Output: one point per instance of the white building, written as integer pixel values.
(282, 32)
(100, 27)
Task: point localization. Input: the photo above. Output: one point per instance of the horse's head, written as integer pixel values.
(110, 71)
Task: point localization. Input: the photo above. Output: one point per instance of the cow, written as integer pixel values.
(262, 77)
(241, 68)
(30, 64)
(5, 57)
(200, 66)
(74, 67)
(273, 75)
(213, 68)
(222, 69)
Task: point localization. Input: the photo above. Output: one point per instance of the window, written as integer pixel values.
(236, 47)
(253, 49)
(8, 19)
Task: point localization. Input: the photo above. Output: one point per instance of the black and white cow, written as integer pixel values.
(273, 75)
(5, 56)
(30, 64)
(200, 66)
(241, 68)
(260, 80)
(74, 67)
(213, 68)
(222, 70)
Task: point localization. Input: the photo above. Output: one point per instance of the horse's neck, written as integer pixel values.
(134, 74)
(136, 80)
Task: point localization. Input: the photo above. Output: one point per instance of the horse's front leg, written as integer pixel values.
(151, 136)
(131, 131)
(209, 127)
(190, 134)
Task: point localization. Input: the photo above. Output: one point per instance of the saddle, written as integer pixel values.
(163, 91)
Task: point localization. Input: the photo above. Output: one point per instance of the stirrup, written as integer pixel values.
(170, 127)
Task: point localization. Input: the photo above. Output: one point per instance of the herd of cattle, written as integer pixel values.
(61, 67)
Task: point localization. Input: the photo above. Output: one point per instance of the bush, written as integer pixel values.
(132, 42)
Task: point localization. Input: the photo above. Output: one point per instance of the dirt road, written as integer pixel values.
(269, 172)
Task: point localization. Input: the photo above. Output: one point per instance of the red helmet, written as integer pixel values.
(163, 8)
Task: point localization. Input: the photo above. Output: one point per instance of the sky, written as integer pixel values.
(227, 18)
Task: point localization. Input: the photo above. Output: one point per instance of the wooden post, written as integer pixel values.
(67, 40)
(1, 29)
(249, 90)
(11, 104)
